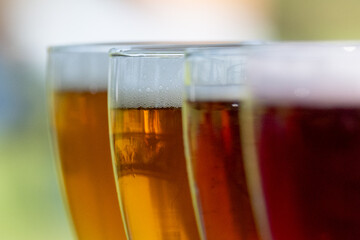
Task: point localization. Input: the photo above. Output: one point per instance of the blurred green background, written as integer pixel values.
(316, 19)
(30, 203)
(31, 206)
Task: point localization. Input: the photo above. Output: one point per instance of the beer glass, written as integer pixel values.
(301, 140)
(213, 90)
(145, 96)
(77, 84)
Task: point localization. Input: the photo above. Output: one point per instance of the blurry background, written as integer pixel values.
(30, 202)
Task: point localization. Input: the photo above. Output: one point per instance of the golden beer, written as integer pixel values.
(151, 166)
(81, 127)
(77, 84)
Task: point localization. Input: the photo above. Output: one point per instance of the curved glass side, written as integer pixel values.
(214, 92)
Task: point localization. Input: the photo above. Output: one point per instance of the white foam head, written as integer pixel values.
(312, 75)
(155, 78)
(81, 67)
(147, 80)
(85, 67)
(215, 93)
(215, 75)
(79, 71)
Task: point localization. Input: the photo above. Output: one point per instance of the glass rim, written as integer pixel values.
(171, 49)
(230, 51)
(92, 47)
(106, 46)
(272, 46)
(144, 53)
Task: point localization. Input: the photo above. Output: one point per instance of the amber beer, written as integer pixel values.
(81, 130)
(77, 87)
(309, 160)
(213, 139)
(151, 166)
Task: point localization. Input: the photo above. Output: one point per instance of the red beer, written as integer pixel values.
(303, 148)
(213, 139)
(309, 162)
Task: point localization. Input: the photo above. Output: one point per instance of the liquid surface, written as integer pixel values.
(213, 138)
(81, 126)
(309, 160)
(152, 174)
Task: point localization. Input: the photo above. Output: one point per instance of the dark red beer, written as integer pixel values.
(309, 162)
(213, 139)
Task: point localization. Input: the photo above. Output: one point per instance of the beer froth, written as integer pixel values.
(215, 93)
(79, 71)
(322, 76)
(163, 96)
(145, 85)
